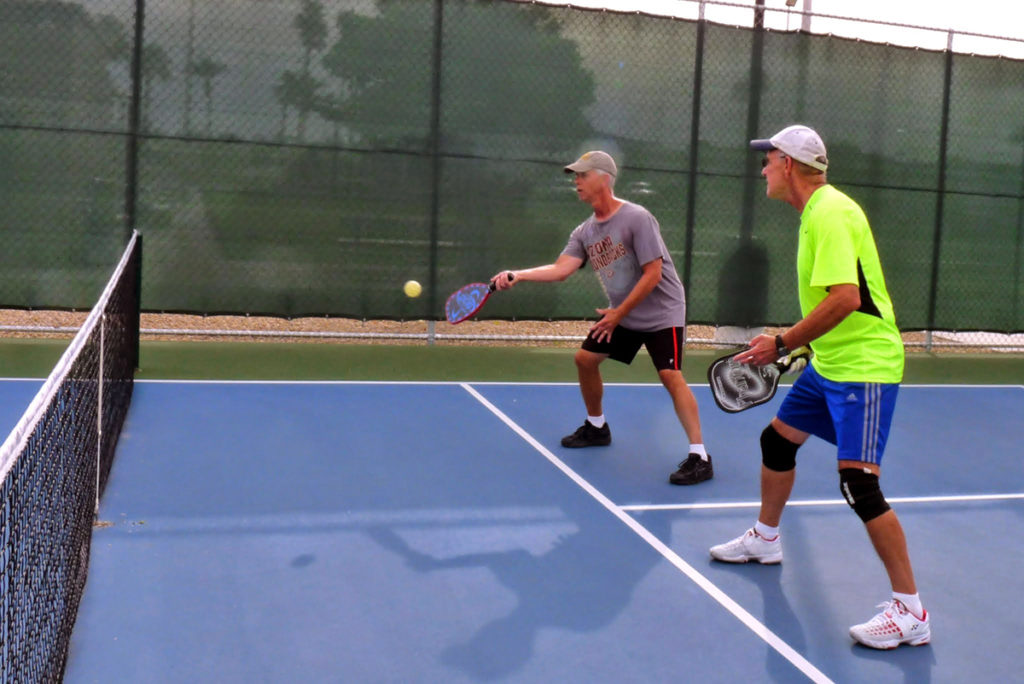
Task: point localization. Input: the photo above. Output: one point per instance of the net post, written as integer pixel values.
(430, 333)
(99, 415)
(136, 313)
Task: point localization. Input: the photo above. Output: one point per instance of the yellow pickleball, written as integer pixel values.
(412, 289)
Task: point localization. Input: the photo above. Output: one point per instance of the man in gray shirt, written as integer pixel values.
(646, 306)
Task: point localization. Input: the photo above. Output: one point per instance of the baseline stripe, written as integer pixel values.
(952, 498)
(748, 620)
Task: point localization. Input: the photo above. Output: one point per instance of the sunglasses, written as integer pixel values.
(765, 160)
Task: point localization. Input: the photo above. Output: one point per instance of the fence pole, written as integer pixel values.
(435, 157)
(1018, 255)
(751, 176)
(743, 277)
(134, 118)
(940, 190)
(691, 194)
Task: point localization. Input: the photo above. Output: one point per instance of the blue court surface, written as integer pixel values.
(390, 532)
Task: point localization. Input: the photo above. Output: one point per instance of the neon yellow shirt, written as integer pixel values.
(836, 247)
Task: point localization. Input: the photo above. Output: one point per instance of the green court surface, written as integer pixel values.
(324, 361)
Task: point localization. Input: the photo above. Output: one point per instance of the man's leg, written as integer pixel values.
(593, 432)
(697, 467)
(890, 543)
(903, 620)
(776, 486)
(762, 543)
(804, 405)
(588, 368)
(864, 432)
(887, 537)
(684, 402)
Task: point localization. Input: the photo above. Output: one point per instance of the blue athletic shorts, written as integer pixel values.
(855, 416)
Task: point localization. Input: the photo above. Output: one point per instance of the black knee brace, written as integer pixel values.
(861, 491)
(777, 452)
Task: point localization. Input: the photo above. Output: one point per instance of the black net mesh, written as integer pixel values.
(54, 466)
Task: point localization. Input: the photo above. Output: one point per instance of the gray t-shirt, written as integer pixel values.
(617, 249)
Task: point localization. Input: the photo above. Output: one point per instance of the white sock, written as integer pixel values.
(596, 421)
(912, 602)
(765, 532)
(699, 450)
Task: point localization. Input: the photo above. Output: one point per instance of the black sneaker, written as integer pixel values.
(693, 470)
(587, 436)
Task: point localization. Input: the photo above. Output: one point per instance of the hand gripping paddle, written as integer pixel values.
(467, 300)
(738, 386)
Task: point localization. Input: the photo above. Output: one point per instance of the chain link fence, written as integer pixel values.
(307, 157)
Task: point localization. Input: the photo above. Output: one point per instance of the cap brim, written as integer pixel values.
(762, 145)
(572, 168)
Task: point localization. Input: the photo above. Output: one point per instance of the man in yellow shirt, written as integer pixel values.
(847, 394)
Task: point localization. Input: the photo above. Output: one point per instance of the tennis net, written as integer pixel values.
(54, 466)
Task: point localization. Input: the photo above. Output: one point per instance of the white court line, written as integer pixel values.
(510, 383)
(769, 637)
(159, 381)
(820, 502)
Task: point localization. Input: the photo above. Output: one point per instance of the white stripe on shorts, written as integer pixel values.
(872, 419)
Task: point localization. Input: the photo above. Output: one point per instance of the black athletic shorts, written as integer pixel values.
(665, 346)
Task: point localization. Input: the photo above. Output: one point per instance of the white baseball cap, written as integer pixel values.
(595, 159)
(800, 143)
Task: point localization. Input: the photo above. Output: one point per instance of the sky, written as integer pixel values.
(989, 17)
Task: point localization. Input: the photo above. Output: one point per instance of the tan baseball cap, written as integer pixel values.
(594, 160)
(800, 143)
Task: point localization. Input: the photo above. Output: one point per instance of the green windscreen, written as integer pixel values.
(307, 157)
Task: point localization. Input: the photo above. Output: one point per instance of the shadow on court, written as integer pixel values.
(915, 663)
(778, 615)
(550, 592)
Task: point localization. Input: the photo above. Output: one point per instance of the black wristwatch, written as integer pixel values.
(780, 347)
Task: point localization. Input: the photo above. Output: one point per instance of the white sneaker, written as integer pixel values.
(749, 547)
(895, 625)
